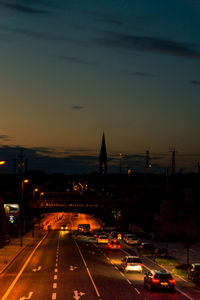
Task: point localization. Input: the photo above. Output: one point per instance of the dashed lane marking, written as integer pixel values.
(53, 296)
(55, 277)
(55, 285)
(129, 281)
(137, 291)
(55, 270)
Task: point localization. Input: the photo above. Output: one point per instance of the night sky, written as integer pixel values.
(73, 69)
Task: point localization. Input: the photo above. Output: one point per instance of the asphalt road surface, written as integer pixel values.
(67, 266)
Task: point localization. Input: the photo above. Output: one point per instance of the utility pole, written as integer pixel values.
(173, 161)
(21, 161)
(147, 165)
(147, 162)
(120, 163)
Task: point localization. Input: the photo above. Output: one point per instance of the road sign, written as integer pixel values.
(11, 218)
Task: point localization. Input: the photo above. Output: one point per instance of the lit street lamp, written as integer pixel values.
(34, 205)
(41, 194)
(24, 181)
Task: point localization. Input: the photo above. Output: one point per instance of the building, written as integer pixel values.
(103, 157)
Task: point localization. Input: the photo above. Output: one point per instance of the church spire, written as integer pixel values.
(103, 157)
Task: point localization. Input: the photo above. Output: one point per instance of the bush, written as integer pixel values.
(169, 261)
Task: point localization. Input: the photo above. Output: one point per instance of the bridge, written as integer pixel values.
(69, 202)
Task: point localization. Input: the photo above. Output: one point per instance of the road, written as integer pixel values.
(69, 266)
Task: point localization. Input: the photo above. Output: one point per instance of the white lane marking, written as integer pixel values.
(55, 270)
(129, 281)
(122, 274)
(29, 296)
(55, 285)
(37, 269)
(55, 277)
(77, 295)
(184, 294)
(53, 296)
(56, 264)
(96, 290)
(137, 291)
(22, 269)
(72, 268)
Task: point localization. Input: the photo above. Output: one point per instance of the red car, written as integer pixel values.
(114, 245)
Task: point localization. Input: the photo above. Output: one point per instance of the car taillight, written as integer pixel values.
(119, 246)
(155, 280)
(172, 281)
(110, 246)
(141, 265)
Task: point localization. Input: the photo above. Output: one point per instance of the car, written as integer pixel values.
(131, 263)
(128, 235)
(132, 240)
(193, 271)
(114, 245)
(84, 228)
(64, 227)
(160, 252)
(113, 235)
(146, 245)
(146, 248)
(159, 279)
(102, 239)
(97, 234)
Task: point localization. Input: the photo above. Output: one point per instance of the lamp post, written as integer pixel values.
(41, 194)
(34, 205)
(24, 181)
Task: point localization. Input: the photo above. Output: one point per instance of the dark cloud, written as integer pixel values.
(4, 137)
(74, 60)
(139, 74)
(21, 7)
(77, 107)
(148, 44)
(195, 82)
(112, 21)
(43, 36)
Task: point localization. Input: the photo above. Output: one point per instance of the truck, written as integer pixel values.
(84, 228)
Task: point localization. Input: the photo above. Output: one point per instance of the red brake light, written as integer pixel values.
(119, 246)
(141, 265)
(155, 280)
(172, 281)
(110, 246)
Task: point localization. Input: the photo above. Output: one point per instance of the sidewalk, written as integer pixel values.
(9, 252)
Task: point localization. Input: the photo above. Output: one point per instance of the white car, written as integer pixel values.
(133, 240)
(132, 263)
(127, 236)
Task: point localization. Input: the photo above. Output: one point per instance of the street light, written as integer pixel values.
(2, 162)
(24, 181)
(33, 205)
(41, 194)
